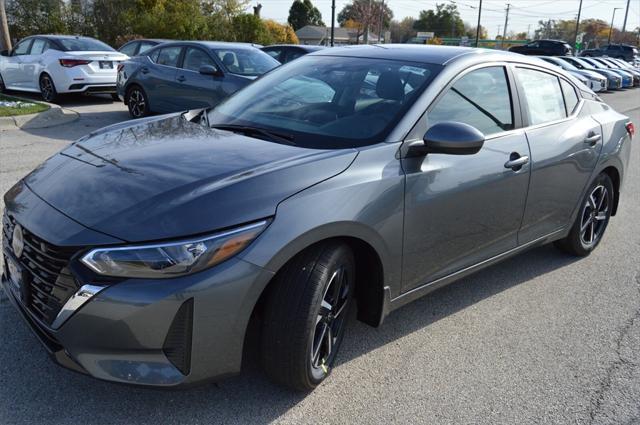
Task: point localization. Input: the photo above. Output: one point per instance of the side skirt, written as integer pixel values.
(414, 294)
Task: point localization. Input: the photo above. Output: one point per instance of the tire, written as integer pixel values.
(114, 97)
(305, 314)
(137, 102)
(591, 223)
(3, 88)
(48, 89)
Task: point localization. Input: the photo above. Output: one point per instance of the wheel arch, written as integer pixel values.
(614, 175)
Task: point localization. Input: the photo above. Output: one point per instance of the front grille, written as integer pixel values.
(50, 283)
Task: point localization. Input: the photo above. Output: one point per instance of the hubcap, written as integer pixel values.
(594, 216)
(137, 103)
(46, 88)
(329, 322)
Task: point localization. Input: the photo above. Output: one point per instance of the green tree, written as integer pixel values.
(28, 17)
(249, 28)
(402, 31)
(302, 13)
(444, 21)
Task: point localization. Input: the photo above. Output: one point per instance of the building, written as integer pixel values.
(317, 35)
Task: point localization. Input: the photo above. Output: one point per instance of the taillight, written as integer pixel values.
(69, 63)
(631, 129)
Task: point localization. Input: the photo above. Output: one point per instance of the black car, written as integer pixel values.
(139, 46)
(284, 53)
(618, 51)
(544, 48)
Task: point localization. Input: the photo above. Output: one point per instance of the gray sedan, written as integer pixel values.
(360, 177)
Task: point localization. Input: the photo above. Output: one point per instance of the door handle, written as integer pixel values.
(144, 70)
(181, 78)
(517, 162)
(592, 138)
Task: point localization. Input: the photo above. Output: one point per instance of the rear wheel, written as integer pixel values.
(137, 102)
(592, 220)
(47, 88)
(305, 315)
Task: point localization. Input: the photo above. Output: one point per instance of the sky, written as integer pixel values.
(523, 16)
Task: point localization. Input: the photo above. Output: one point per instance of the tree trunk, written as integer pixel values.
(5, 40)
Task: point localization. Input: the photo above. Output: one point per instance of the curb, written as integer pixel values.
(52, 117)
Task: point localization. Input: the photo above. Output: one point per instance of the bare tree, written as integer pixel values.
(5, 39)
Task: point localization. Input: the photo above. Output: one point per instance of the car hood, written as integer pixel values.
(167, 177)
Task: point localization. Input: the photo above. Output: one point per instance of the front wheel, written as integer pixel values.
(305, 315)
(592, 220)
(47, 89)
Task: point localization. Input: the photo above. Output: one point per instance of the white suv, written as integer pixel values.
(53, 64)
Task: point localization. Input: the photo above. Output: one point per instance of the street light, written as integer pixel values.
(611, 27)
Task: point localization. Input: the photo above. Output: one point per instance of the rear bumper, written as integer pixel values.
(76, 80)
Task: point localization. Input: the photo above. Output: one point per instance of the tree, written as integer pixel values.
(402, 31)
(445, 20)
(471, 32)
(302, 13)
(248, 28)
(227, 9)
(5, 38)
(28, 17)
(279, 33)
(367, 14)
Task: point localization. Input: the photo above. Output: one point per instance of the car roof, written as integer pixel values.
(213, 44)
(438, 55)
(307, 47)
(62, 37)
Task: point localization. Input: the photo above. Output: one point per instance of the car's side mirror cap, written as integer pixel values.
(453, 138)
(209, 70)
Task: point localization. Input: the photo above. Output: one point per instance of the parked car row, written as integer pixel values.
(599, 74)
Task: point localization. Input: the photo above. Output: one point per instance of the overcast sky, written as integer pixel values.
(524, 13)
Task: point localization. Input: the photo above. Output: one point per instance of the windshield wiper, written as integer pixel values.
(256, 131)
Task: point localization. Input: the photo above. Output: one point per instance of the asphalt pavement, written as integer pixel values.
(541, 338)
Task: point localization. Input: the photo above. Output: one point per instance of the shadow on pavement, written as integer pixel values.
(35, 390)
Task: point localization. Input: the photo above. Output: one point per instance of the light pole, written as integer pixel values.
(611, 28)
(478, 27)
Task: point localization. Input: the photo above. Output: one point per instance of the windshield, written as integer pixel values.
(328, 102)
(582, 63)
(249, 62)
(84, 45)
(595, 64)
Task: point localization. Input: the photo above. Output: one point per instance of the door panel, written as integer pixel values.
(12, 72)
(460, 210)
(31, 64)
(562, 166)
(160, 80)
(198, 90)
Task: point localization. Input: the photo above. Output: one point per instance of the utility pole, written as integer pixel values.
(626, 13)
(575, 36)
(5, 39)
(506, 21)
(367, 24)
(478, 27)
(528, 31)
(611, 27)
(333, 21)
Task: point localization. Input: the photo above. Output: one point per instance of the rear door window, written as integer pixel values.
(129, 49)
(168, 56)
(39, 46)
(570, 97)
(144, 46)
(481, 99)
(542, 96)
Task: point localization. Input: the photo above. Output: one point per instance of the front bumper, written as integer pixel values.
(169, 332)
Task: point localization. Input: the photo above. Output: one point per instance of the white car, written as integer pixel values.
(55, 64)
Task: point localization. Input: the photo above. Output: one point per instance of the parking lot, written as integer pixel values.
(541, 338)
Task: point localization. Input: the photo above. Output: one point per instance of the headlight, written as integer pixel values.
(172, 259)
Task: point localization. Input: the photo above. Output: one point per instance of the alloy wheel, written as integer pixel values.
(137, 103)
(330, 322)
(594, 216)
(46, 88)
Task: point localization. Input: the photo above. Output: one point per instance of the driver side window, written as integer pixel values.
(22, 48)
(481, 99)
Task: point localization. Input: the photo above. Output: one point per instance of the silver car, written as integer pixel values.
(360, 177)
(595, 81)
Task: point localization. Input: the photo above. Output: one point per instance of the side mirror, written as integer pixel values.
(4, 53)
(453, 138)
(209, 70)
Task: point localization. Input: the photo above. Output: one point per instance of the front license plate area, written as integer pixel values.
(106, 65)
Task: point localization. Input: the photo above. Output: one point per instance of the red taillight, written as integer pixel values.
(68, 63)
(120, 66)
(631, 129)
